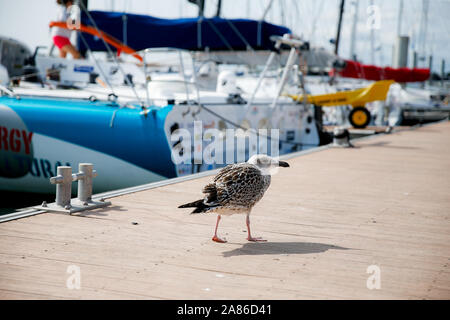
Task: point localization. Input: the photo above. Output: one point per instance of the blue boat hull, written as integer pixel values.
(38, 134)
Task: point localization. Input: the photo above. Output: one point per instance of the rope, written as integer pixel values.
(30, 75)
(247, 44)
(220, 35)
(224, 40)
(83, 7)
(97, 64)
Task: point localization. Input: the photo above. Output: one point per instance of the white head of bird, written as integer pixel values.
(267, 164)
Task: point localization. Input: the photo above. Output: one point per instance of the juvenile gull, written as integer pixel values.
(236, 189)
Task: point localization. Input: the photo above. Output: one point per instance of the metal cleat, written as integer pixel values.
(341, 138)
(63, 183)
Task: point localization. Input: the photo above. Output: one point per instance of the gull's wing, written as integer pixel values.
(240, 185)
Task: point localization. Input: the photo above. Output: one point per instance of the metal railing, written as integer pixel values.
(8, 92)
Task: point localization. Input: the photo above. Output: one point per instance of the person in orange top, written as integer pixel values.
(61, 36)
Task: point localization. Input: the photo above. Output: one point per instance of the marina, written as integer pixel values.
(159, 107)
(323, 219)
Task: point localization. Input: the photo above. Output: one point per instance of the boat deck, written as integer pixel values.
(327, 218)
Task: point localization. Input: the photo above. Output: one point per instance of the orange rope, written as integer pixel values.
(108, 38)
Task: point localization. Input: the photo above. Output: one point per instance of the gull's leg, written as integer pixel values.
(250, 238)
(216, 238)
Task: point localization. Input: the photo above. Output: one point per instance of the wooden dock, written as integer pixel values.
(328, 218)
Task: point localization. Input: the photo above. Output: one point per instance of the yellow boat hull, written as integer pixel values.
(356, 98)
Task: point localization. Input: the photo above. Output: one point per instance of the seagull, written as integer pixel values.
(236, 189)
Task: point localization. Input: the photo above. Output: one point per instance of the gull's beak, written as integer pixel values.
(283, 164)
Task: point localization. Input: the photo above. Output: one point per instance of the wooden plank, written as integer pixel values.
(327, 218)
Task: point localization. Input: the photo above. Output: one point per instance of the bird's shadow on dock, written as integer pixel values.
(261, 248)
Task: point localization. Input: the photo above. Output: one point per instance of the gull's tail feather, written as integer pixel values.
(199, 206)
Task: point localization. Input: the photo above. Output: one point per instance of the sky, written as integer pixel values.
(314, 20)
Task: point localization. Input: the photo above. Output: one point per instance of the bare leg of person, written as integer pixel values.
(72, 50)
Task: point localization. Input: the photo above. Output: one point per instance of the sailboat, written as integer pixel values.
(410, 100)
(126, 126)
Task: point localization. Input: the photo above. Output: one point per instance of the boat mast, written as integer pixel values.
(201, 6)
(399, 19)
(219, 8)
(372, 41)
(283, 16)
(353, 35)
(84, 3)
(423, 30)
(338, 35)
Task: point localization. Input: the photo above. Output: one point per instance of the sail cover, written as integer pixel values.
(355, 69)
(141, 32)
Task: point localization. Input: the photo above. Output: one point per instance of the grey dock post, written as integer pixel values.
(84, 177)
(341, 138)
(63, 182)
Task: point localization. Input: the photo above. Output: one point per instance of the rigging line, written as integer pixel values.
(257, 133)
(96, 63)
(183, 74)
(224, 40)
(266, 10)
(315, 19)
(83, 7)
(259, 34)
(240, 35)
(227, 44)
(30, 75)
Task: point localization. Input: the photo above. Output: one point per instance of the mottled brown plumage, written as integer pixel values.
(236, 189)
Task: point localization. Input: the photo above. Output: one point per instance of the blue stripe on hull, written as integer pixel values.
(134, 138)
